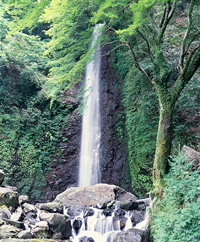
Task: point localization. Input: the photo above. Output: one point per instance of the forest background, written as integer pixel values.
(44, 49)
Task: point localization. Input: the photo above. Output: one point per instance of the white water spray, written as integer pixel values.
(89, 171)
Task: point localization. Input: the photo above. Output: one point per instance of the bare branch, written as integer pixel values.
(148, 46)
(137, 65)
(169, 13)
(183, 45)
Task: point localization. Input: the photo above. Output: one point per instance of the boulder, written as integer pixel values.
(86, 239)
(52, 207)
(58, 223)
(2, 175)
(8, 231)
(4, 212)
(41, 229)
(23, 199)
(9, 196)
(27, 208)
(93, 195)
(192, 156)
(24, 235)
(137, 216)
(17, 224)
(129, 205)
(132, 235)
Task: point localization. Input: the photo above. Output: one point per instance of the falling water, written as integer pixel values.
(89, 172)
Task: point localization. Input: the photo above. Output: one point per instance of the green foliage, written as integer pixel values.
(178, 218)
(141, 117)
(29, 130)
(186, 121)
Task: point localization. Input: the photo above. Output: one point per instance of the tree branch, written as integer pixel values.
(148, 45)
(183, 45)
(137, 65)
(169, 13)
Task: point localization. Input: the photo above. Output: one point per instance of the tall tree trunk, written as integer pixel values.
(163, 144)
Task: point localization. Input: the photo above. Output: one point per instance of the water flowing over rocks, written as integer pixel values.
(97, 213)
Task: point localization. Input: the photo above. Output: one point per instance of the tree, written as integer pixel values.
(155, 23)
(156, 30)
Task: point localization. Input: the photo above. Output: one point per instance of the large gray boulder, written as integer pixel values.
(93, 195)
(9, 196)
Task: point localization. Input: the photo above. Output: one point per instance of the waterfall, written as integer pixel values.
(89, 171)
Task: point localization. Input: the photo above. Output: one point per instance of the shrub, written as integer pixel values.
(178, 216)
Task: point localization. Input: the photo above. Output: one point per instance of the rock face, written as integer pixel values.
(64, 166)
(93, 195)
(113, 145)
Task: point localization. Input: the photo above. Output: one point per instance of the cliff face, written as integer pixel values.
(63, 172)
(113, 143)
(64, 167)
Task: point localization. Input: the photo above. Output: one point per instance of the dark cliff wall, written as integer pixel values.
(114, 167)
(63, 171)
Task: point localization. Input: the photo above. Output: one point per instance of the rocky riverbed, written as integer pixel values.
(85, 214)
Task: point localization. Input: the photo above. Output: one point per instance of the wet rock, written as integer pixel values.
(86, 239)
(101, 205)
(111, 204)
(57, 223)
(93, 195)
(2, 175)
(132, 235)
(9, 196)
(77, 225)
(107, 212)
(88, 212)
(122, 222)
(8, 231)
(129, 205)
(119, 212)
(137, 216)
